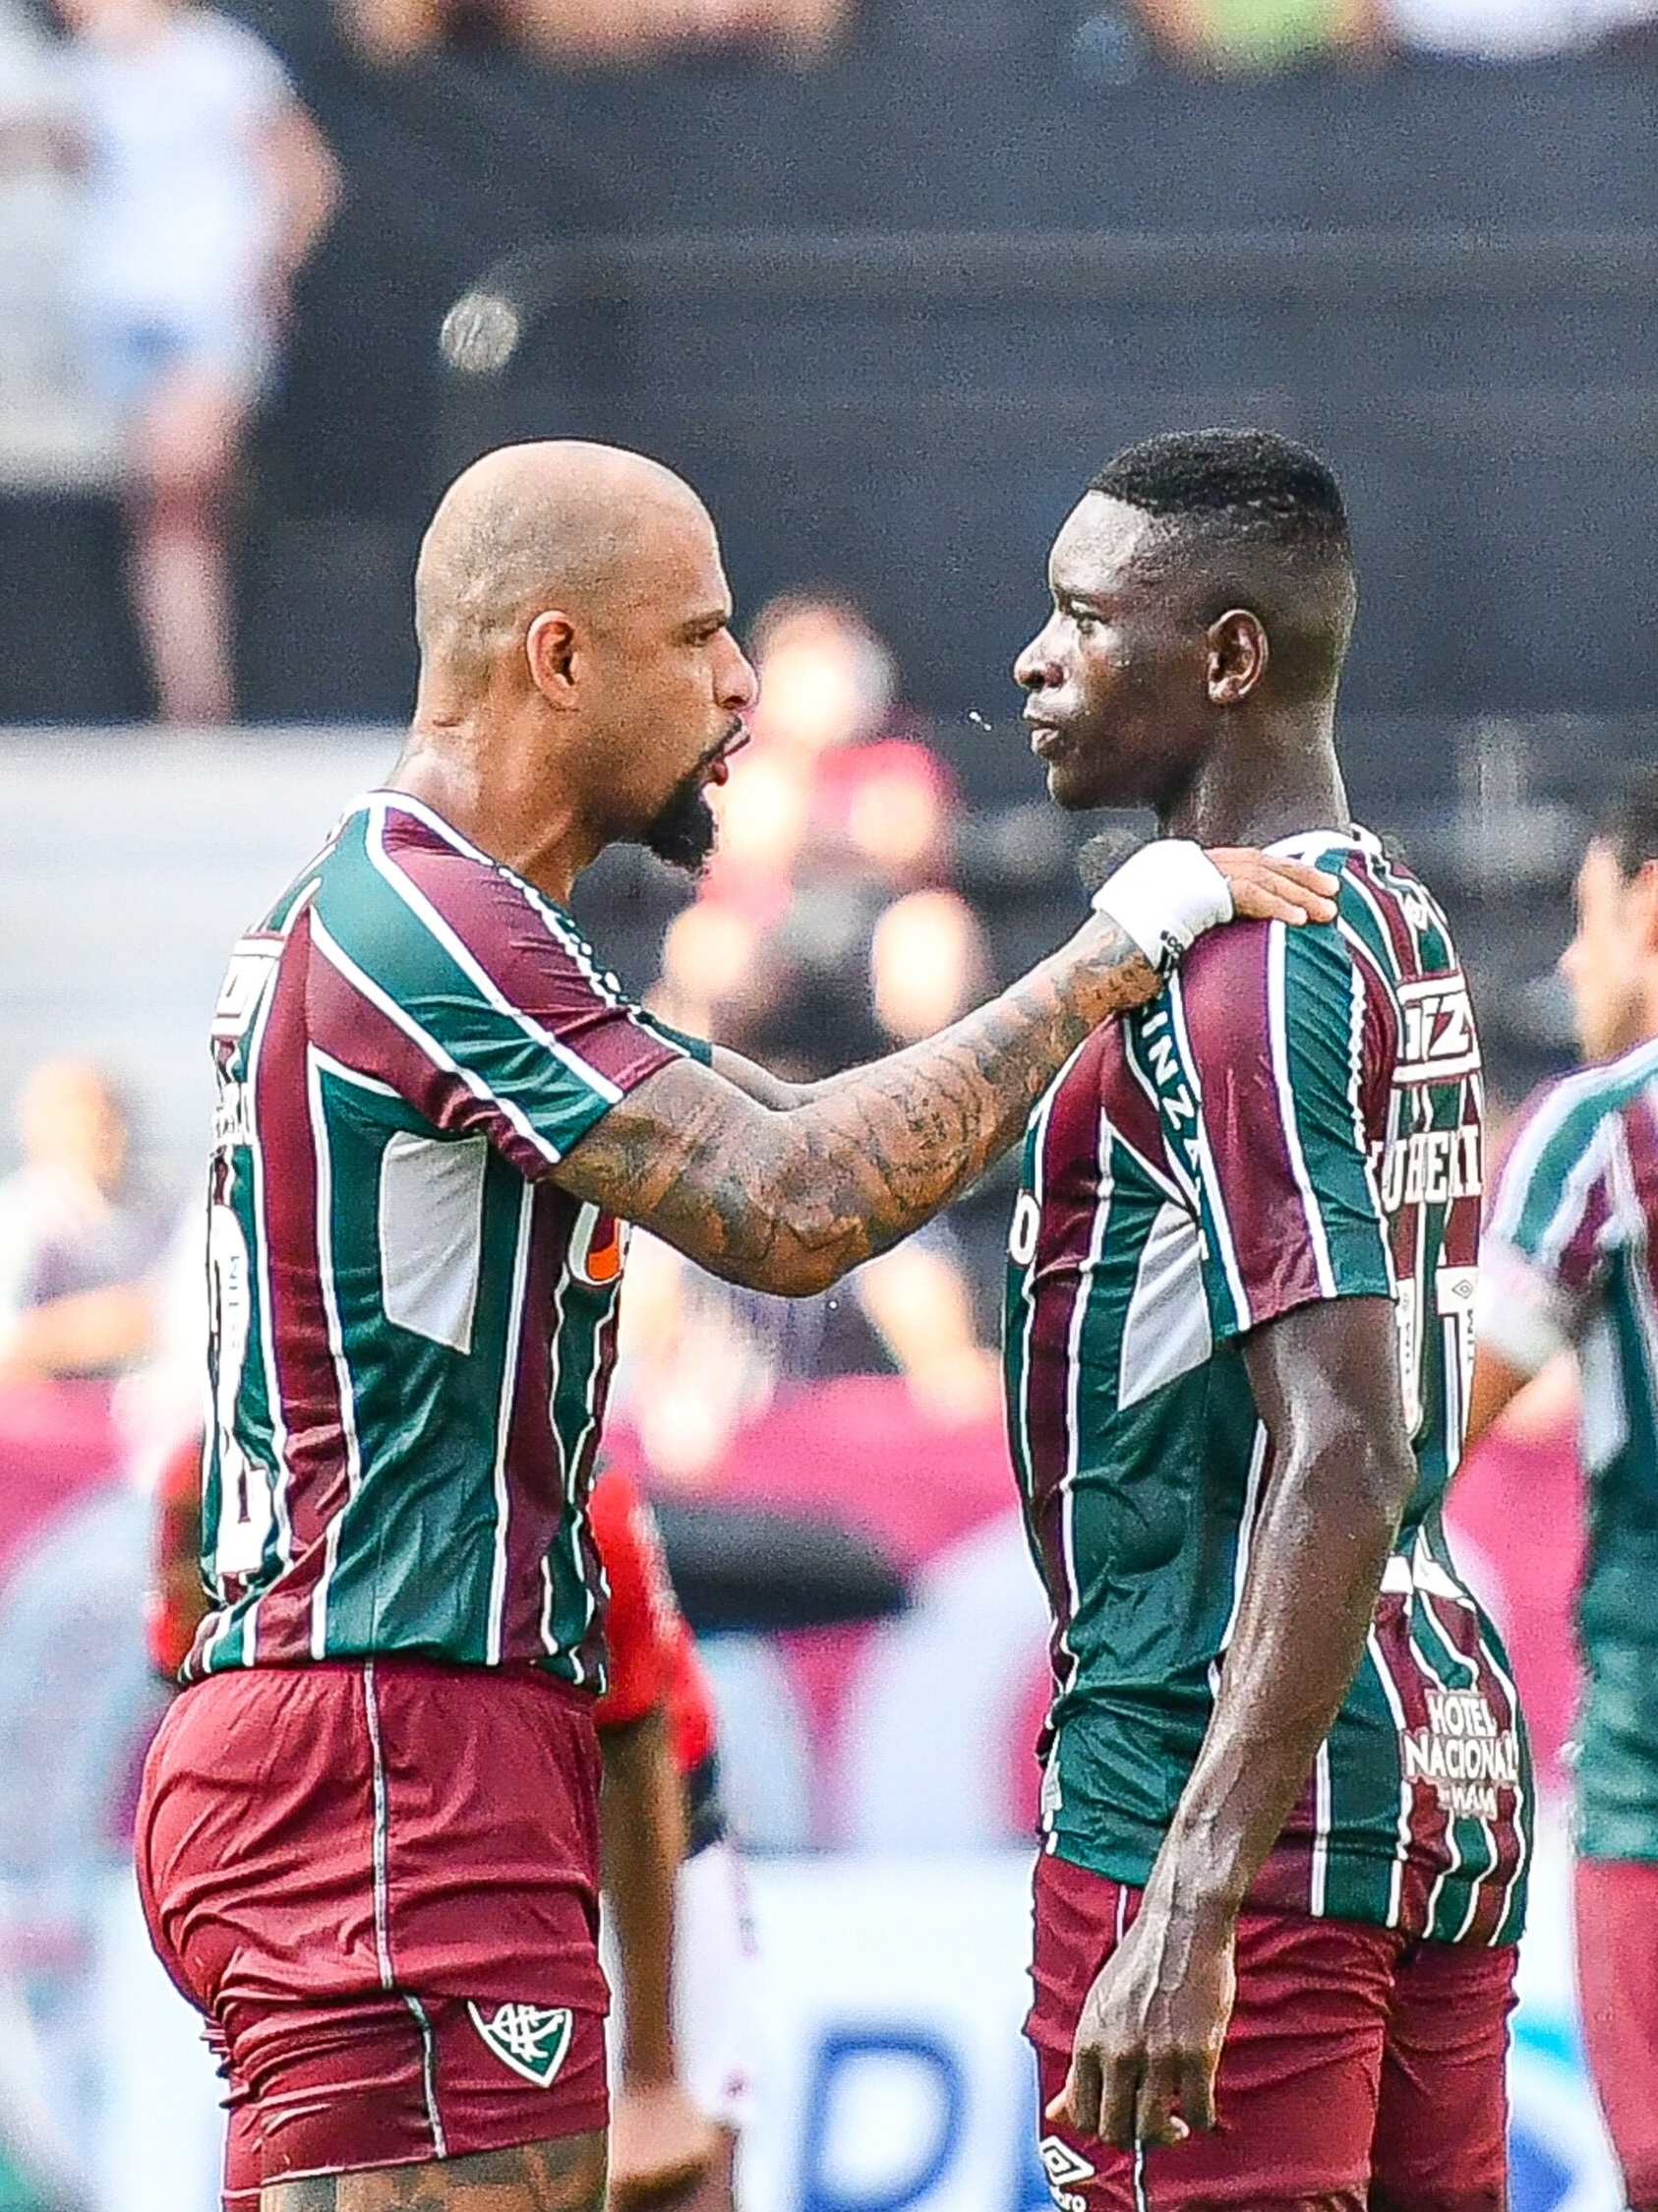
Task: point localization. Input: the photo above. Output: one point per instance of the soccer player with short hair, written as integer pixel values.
(1286, 1802)
(367, 1836)
(1568, 1262)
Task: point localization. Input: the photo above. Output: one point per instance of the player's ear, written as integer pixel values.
(1643, 902)
(549, 650)
(1237, 656)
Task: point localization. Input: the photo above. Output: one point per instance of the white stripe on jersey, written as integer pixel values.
(1402, 1842)
(1627, 1199)
(503, 1421)
(315, 1063)
(426, 1044)
(282, 1472)
(1277, 1036)
(1242, 1312)
(1323, 1813)
(1570, 1093)
(1089, 1268)
(421, 907)
(1038, 1192)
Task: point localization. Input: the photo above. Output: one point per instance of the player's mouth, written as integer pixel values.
(717, 767)
(1045, 736)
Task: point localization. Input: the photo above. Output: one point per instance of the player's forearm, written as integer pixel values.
(1328, 1524)
(642, 1831)
(788, 1200)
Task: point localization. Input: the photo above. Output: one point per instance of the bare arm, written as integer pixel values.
(304, 183)
(1326, 1381)
(788, 1200)
(660, 2139)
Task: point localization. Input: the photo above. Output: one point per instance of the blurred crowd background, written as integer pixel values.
(887, 280)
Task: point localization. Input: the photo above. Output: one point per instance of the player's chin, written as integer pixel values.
(1072, 785)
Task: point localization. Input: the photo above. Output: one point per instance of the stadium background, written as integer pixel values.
(887, 312)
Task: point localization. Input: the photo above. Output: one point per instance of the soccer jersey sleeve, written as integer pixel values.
(1262, 1105)
(1546, 1239)
(468, 993)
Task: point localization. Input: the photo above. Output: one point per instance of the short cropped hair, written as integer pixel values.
(1249, 483)
(1631, 825)
(1251, 519)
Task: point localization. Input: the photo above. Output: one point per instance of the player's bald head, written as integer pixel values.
(559, 523)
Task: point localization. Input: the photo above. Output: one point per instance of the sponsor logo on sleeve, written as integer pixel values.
(597, 1248)
(532, 2039)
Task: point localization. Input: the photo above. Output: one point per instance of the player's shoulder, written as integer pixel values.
(1566, 1117)
(414, 885)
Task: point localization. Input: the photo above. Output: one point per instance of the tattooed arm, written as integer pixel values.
(787, 1197)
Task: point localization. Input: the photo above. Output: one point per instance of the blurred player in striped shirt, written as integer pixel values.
(1286, 1794)
(1571, 1262)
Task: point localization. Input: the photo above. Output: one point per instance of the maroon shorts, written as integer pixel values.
(1359, 2069)
(380, 1882)
(1618, 1994)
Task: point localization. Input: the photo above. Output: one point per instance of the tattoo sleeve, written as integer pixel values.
(787, 1197)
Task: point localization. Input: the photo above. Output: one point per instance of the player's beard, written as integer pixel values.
(684, 831)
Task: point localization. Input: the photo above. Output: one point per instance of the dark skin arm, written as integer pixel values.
(659, 2139)
(787, 1198)
(1325, 1381)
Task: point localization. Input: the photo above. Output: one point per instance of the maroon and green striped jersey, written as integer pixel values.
(1295, 1118)
(1571, 1258)
(412, 1326)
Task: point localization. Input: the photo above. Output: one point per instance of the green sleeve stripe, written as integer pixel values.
(1320, 1041)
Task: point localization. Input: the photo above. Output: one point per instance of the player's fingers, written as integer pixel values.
(1257, 879)
(1078, 2103)
(1119, 2093)
(1244, 859)
(1197, 2089)
(1155, 2120)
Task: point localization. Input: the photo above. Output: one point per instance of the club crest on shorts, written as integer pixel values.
(1061, 2163)
(531, 2038)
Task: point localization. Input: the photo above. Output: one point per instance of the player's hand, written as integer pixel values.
(658, 2142)
(1147, 2043)
(1264, 890)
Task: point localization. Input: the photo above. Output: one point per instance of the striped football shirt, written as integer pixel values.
(1571, 1258)
(412, 1327)
(1296, 1118)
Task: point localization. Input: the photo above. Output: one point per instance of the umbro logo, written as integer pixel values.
(1061, 2163)
(531, 2038)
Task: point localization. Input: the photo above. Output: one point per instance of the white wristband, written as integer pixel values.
(1164, 896)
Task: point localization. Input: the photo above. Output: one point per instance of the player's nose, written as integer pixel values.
(739, 684)
(1037, 667)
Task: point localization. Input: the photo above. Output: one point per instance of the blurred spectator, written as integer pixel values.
(1244, 35)
(206, 184)
(625, 31)
(700, 1357)
(79, 1240)
(839, 782)
(1515, 29)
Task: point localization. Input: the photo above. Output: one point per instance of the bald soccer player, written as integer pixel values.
(367, 1841)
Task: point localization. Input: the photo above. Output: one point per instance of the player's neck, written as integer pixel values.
(1274, 779)
(503, 801)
